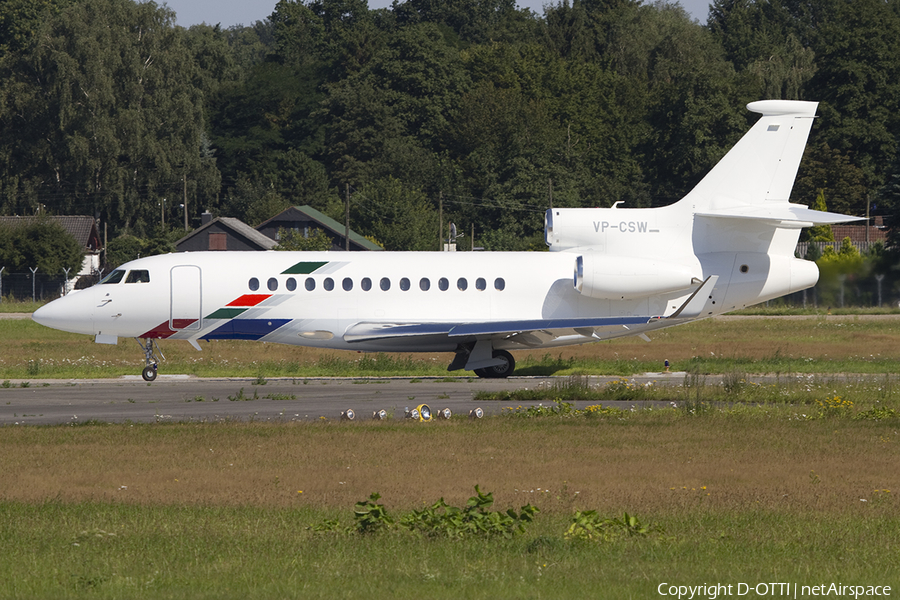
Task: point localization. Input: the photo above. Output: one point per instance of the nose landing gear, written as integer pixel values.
(150, 348)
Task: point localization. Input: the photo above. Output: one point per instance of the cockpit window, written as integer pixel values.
(114, 277)
(138, 276)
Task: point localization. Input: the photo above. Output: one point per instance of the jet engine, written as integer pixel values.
(627, 278)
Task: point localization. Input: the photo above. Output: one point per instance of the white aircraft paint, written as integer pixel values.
(610, 272)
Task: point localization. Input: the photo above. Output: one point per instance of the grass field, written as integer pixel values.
(193, 511)
(789, 484)
(801, 344)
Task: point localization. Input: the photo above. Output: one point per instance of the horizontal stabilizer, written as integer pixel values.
(796, 213)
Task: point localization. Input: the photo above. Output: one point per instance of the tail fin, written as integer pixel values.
(761, 167)
(754, 180)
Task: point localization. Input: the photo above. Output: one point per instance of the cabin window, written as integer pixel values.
(443, 284)
(347, 284)
(114, 277)
(310, 284)
(291, 284)
(461, 284)
(365, 284)
(404, 284)
(328, 284)
(480, 284)
(138, 276)
(253, 284)
(272, 284)
(385, 284)
(424, 284)
(499, 284)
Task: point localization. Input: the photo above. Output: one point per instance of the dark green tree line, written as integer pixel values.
(108, 108)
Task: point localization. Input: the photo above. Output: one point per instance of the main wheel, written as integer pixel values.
(504, 370)
(149, 373)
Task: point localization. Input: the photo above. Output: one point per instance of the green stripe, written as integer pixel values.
(226, 313)
(303, 268)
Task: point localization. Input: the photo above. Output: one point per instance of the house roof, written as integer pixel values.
(857, 233)
(82, 228)
(325, 221)
(239, 227)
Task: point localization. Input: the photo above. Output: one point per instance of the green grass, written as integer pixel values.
(8, 305)
(737, 494)
(101, 550)
(849, 344)
(813, 396)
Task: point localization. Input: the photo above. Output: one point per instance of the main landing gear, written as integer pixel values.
(150, 348)
(500, 371)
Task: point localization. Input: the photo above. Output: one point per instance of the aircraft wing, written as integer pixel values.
(536, 331)
(364, 331)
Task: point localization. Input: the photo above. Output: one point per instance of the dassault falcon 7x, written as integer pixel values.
(610, 272)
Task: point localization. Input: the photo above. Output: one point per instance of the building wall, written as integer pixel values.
(201, 242)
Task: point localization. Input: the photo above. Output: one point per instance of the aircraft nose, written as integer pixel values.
(64, 314)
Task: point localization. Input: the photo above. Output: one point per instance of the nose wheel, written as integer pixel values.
(151, 349)
(149, 373)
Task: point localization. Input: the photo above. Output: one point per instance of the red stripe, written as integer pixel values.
(249, 300)
(162, 331)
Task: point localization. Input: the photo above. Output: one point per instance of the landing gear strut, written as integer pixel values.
(150, 348)
(500, 371)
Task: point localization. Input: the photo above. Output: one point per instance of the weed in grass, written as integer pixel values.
(6, 384)
(240, 397)
(370, 516)
(588, 525)
(277, 396)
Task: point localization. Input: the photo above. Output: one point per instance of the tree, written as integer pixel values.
(295, 240)
(100, 114)
(829, 171)
(398, 217)
(820, 233)
(857, 80)
(42, 244)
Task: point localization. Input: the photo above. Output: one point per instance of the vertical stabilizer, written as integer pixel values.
(760, 169)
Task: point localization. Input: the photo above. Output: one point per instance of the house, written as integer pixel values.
(81, 227)
(862, 237)
(306, 219)
(223, 233)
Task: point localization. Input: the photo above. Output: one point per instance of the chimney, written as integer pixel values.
(205, 218)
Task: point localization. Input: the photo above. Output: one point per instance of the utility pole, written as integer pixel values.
(551, 193)
(441, 221)
(347, 217)
(184, 179)
(868, 203)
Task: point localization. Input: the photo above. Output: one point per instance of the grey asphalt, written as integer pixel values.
(176, 398)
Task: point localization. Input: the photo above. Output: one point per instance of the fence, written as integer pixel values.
(25, 286)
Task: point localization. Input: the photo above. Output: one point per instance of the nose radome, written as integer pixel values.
(66, 314)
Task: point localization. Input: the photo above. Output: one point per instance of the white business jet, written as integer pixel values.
(610, 272)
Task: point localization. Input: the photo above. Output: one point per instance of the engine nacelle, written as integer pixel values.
(628, 278)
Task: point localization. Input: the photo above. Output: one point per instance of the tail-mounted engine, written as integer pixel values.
(627, 278)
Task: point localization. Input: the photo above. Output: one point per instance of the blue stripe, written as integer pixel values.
(245, 329)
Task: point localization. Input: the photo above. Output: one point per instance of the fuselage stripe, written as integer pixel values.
(248, 300)
(304, 268)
